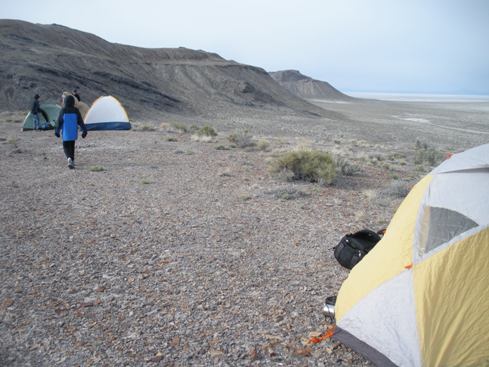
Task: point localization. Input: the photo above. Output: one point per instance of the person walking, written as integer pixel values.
(68, 121)
(76, 94)
(36, 110)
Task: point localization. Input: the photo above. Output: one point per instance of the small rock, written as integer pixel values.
(7, 303)
(215, 353)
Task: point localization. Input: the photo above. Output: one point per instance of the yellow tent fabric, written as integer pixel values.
(421, 296)
(389, 257)
(457, 333)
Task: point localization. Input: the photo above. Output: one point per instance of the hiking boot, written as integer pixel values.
(71, 164)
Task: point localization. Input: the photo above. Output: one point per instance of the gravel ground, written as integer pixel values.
(175, 254)
(155, 252)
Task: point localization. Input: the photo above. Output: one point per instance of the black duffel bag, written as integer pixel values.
(354, 246)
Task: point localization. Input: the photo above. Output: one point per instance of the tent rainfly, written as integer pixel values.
(52, 110)
(421, 296)
(107, 113)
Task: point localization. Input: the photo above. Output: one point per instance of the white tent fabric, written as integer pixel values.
(397, 297)
(107, 113)
(474, 158)
(455, 191)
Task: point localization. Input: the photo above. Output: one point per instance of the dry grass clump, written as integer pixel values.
(397, 189)
(346, 168)
(287, 193)
(263, 145)
(144, 127)
(242, 139)
(205, 134)
(96, 168)
(426, 154)
(222, 147)
(180, 127)
(177, 127)
(306, 165)
(206, 131)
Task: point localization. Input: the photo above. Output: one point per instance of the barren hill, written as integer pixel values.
(48, 59)
(307, 87)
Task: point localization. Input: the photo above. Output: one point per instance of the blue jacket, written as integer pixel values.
(68, 120)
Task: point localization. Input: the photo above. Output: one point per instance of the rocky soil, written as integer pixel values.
(159, 249)
(173, 253)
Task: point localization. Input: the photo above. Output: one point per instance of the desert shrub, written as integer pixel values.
(420, 145)
(242, 139)
(181, 127)
(306, 165)
(204, 134)
(206, 131)
(397, 189)
(245, 197)
(145, 127)
(426, 154)
(263, 145)
(396, 156)
(346, 168)
(287, 193)
(97, 169)
(222, 147)
(146, 182)
(171, 139)
(226, 174)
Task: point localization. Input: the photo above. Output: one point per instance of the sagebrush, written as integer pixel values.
(346, 168)
(426, 154)
(306, 165)
(206, 131)
(242, 139)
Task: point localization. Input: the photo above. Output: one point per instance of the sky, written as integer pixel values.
(411, 46)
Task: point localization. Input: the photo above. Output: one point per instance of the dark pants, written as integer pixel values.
(69, 148)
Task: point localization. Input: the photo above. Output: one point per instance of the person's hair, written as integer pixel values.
(69, 101)
(36, 96)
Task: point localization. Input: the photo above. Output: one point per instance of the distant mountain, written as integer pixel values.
(307, 87)
(48, 59)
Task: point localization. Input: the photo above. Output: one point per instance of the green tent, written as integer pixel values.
(52, 110)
